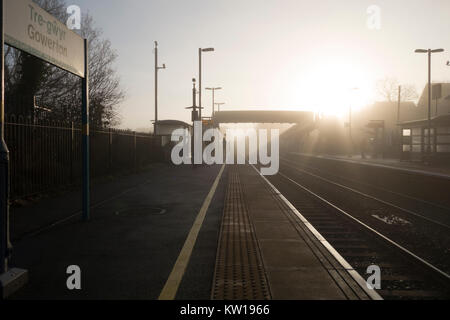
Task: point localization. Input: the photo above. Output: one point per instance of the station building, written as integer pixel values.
(417, 145)
(165, 128)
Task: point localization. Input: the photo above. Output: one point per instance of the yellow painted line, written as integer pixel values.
(173, 282)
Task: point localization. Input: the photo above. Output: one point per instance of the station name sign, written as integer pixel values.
(30, 28)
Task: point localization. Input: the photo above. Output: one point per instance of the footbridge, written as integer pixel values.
(263, 116)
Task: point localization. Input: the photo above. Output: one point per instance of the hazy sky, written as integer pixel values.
(269, 54)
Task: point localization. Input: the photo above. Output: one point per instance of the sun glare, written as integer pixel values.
(337, 86)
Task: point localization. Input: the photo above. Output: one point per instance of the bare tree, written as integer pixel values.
(408, 92)
(60, 91)
(104, 86)
(387, 90)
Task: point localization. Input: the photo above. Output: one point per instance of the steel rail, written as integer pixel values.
(372, 197)
(367, 227)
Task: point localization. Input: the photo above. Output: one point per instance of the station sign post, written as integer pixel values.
(29, 28)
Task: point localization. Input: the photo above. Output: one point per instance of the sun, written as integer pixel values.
(336, 86)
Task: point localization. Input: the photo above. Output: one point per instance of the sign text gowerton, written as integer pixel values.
(30, 28)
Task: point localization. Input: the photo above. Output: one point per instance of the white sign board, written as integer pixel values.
(30, 28)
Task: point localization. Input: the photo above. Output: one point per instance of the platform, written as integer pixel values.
(267, 250)
(184, 233)
(126, 251)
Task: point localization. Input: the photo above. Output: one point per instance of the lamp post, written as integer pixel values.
(399, 103)
(350, 127)
(195, 117)
(213, 91)
(400, 131)
(218, 104)
(157, 68)
(429, 51)
(200, 51)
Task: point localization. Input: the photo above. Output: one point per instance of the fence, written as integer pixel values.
(45, 154)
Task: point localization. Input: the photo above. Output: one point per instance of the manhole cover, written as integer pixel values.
(141, 211)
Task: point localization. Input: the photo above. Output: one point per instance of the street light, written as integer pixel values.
(218, 104)
(200, 50)
(194, 102)
(157, 68)
(213, 91)
(194, 118)
(350, 126)
(429, 51)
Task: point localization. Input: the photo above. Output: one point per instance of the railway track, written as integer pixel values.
(404, 274)
(413, 204)
(427, 237)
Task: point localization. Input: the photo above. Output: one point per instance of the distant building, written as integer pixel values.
(165, 128)
(440, 106)
(386, 115)
(384, 129)
(417, 144)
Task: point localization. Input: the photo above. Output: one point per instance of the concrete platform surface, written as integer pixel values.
(138, 227)
(297, 265)
(251, 244)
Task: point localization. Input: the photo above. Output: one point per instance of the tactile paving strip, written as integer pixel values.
(239, 273)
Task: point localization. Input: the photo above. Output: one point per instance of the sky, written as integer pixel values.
(280, 55)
